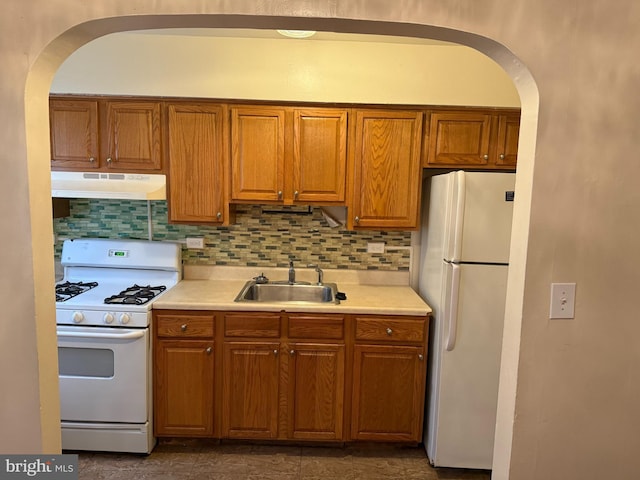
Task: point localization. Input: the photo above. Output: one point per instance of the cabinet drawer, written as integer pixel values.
(310, 326)
(248, 325)
(184, 326)
(389, 329)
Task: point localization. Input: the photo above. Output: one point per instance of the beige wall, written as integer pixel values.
(570, 392)
(339, 69)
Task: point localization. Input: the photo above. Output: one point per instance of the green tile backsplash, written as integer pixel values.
(258, 238)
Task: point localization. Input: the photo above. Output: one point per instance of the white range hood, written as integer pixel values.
(124, 186)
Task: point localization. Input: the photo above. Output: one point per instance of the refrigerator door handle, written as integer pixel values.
(453, 307)
(459, 220)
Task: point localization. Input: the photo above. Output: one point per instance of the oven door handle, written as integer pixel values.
(117, 336)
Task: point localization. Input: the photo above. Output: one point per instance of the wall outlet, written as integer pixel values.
(563, 299)
(195, 242)
(375, 247)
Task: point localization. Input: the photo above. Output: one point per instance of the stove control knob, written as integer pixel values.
(77, 317)
(108, 318)
(124, 318)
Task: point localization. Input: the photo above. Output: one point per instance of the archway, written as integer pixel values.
(37, 141)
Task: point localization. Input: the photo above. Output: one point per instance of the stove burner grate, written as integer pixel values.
(67, 290)
(136, 295)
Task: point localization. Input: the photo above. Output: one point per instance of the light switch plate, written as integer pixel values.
(375, 247)
(195, 242)
(563, 299)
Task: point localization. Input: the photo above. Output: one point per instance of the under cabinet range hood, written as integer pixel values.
(119, 186)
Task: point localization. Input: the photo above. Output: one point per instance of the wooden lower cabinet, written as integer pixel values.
(388, 393)
(250, 390)
(316, 391)
(286, 376)
(184, 388)
(184, 375)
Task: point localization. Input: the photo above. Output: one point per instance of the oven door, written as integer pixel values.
(103, 374)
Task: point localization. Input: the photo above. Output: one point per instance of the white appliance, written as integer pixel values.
(128, 186)
(464, 259)
(103, 313)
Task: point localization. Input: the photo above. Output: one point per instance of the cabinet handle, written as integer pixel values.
(275, 351)
(486, 157)
(109, 160)
(357, 219)
(209, 350)
(279, 194)
(502, 156)
(420, 357)
(389, 331)
(92, 159)
(219, 215)
(295, 195)
(183, 327)
(292, 352)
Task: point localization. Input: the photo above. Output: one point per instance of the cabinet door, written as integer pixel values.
(388, 393)
(387, 169)
(196, 158)
(316, 391)
(459, 139)
(132, 137)
(183, 385)
(507, 140)
(74, 134)
(257, 153)
(250, 390)
(319, 155)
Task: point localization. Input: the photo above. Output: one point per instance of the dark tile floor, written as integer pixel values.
(202, 460)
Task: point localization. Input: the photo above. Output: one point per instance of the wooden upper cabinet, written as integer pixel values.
(133, 139)
(288, 155)
(319, 155)
(197, 155)
(74, 134)
(387, 169)
(459, 138)
(257, 153)
(507, 141)
(484, 139)
(108, 135)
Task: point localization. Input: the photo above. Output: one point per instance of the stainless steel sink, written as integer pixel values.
(287, 293)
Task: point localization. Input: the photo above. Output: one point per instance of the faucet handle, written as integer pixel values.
(261, 278)
(319, 270)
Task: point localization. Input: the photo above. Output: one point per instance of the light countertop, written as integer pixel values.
(213, 293)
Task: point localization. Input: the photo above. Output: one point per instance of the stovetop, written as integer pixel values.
(67, 290)
(135, 295)
(132, 295)
(114, 282)
(112, 302)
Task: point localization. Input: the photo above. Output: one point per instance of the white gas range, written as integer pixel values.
(103, 316)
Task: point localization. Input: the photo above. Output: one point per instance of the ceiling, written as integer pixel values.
(273, 34)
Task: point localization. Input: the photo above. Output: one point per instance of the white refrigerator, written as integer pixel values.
(466, 232)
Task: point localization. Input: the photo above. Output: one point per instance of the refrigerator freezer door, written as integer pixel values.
(435, 220)
(479, 229)
(463, 414)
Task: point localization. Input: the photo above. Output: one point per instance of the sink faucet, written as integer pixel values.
(320, 273)
(292, 273)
